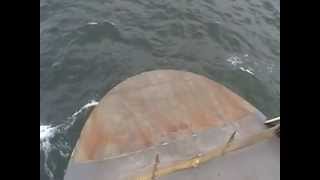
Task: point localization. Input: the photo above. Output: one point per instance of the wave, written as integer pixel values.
(47, 132)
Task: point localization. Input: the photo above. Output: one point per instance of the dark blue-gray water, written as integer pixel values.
(87, 47)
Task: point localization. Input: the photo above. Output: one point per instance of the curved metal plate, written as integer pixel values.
(157, 108)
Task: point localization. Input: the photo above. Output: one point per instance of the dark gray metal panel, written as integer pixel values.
(258, 162)
(138, 163)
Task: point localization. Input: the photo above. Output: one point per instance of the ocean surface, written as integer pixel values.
(89, 46)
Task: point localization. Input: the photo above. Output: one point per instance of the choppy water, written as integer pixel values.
(87, 47)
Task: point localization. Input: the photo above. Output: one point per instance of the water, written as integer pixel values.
(87, 47)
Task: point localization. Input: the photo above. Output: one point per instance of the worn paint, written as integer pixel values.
(162, 106)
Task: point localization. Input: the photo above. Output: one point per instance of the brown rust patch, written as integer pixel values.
(92, 139)
(155, 106)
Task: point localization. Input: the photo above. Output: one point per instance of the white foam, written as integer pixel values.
(250, 71)
(55, 64)
(234, 60)
(74, 115)
(112, 23)
(64, 154)
(92, 23)
(46, 133)
(164, 144)
(90, 104)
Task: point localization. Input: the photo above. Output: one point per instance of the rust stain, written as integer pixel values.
(91, 141)
(156, 105)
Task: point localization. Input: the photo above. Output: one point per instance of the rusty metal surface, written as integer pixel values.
(174, 114)
(138, 163)
(153, 107)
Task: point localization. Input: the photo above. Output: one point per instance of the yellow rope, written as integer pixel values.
(196, 161)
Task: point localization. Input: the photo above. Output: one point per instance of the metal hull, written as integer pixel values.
(182, 118)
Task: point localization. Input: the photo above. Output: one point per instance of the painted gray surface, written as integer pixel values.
(258, 162)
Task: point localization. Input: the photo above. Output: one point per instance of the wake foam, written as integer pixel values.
(74, 116)
(47, 132)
